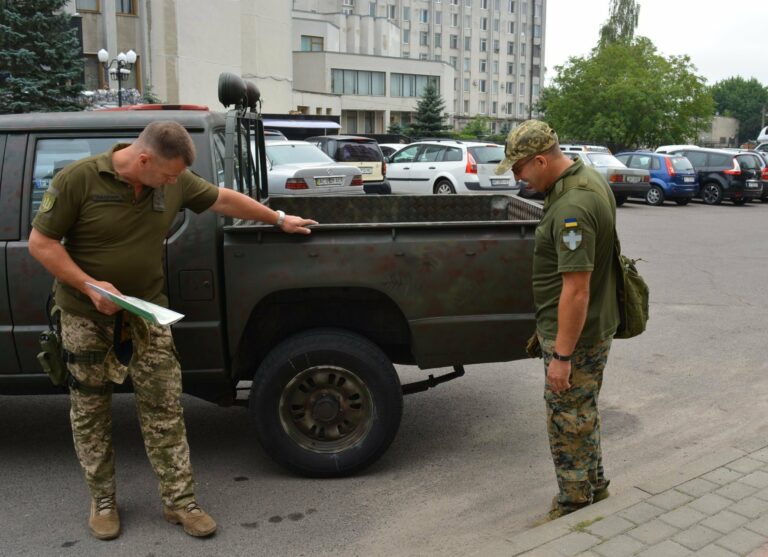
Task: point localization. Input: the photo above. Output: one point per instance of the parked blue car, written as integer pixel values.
(672, 176)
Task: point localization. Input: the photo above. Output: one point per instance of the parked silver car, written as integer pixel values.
(299, 168)
(448, 166)
(622, 180)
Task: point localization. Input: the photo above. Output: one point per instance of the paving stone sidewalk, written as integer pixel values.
(716, 507)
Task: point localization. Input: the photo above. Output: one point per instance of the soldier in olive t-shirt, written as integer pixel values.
(103, 220)
(574, 290)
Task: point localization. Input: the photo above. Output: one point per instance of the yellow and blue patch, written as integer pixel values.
(571, 223)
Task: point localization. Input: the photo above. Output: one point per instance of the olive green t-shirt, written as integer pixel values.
(576, 234)
(110, 234)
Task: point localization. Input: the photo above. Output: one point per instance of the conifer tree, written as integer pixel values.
(430, 115)
(40, 58)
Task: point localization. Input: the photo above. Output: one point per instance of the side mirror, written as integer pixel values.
(232, 90)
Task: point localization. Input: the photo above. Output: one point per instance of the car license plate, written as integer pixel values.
(633, 179)
(500, 183)
(329, 181)
(688, 179)
(752, 184)
(366, 170)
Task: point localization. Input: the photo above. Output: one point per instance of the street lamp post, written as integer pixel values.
(118, 68)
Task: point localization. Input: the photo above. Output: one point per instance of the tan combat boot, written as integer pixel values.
(196, 521)
(104, 521)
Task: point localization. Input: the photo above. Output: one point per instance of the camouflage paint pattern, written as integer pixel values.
(573, 424)
(529, 138)
(156, 376)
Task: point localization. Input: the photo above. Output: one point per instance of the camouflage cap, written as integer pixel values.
(529, 138)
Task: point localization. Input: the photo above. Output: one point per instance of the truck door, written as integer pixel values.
(9, 231)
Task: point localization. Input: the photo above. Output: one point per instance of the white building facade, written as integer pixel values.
(366, 61)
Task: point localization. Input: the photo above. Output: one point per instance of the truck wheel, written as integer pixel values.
(655, 196)
(712, 193)
(444, 187)
(326, 403)
(620, 199)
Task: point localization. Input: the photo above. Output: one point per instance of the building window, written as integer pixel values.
(496, 67)
(511, 27)
(406, 36)
(484, 24)
(535, 70)
(535, 91)
(467, 43)
(454, 61)
(87, 5)
(536, 10)
(93, 73)
(351, 121)
(424, 16)
(126, 7)
(483, 45)
(438, 18)
(466, 84)
(372, 9)
(494, 108)
(391, 11)
(522, 49)
(483, 88)
(537, 31)
(521, 107)
(481, 110)
(537, 51)
(453, 41)
(454, 20)
(466, 64)
(467, 22)
(510, 88)
(311, 44)
(511, 6)
(509, 108)
(438, 40)
(354, 82)
(455, 84)
(423, 56)
(495, 88)
(468, 3)
(483, 4)
(409, 85)
(496, 45)
(496, 25)
(510, 68)
(483, 66)
(466, 107)
(522, 88)
(424, 38)
(510, 47)
(406, 13)
(522, 68)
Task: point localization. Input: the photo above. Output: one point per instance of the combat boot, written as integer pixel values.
(196, 521)
(104, 521)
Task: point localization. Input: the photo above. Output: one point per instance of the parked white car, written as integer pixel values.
(299, 168)
(668, 149)
(449, 166)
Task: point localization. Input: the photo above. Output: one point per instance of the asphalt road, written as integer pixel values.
(471, 459)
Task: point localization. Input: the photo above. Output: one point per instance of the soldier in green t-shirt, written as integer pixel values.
(574, 290)
(103, 220)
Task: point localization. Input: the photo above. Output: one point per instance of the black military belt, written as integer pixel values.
(90, 358)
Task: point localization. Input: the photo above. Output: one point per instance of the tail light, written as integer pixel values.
(296, 184)
(735, 171)
(471, 164)
(384, 169)
(764, 174)
(670, 168)
(357, 180)
(647, 178)
(616, 178)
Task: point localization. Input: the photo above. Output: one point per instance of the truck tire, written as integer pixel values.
(326, 403)
(711, 193)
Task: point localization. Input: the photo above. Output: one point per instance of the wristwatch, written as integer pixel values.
(280, 218)
(560, 357)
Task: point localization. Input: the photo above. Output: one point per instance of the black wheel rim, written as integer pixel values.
(326, 409)
(710, 194)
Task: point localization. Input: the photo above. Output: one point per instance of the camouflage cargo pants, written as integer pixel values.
(156, 377)
(573, 424)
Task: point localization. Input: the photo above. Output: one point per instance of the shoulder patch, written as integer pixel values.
(570, 223)
(49, 199)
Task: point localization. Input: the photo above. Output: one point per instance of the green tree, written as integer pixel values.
(430, 115)
(396, 128)
(477, 128)
(626, 96)
(40, 59)
(743, 100)
(622, 22)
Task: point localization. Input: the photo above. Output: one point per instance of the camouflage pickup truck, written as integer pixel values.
(304, 330)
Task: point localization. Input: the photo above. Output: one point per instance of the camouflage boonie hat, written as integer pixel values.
(529, 138)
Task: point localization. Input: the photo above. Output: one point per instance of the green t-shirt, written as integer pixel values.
(576, 234)
(109, 233)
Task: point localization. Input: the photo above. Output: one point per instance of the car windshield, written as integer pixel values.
(604, 159)
(681, 164)
(293, 153)
(487, 154)
(358, 152)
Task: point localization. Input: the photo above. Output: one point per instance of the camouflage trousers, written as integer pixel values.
(156, 376)
(573, 424)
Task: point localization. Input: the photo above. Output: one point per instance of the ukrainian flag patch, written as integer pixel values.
(571, 223)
